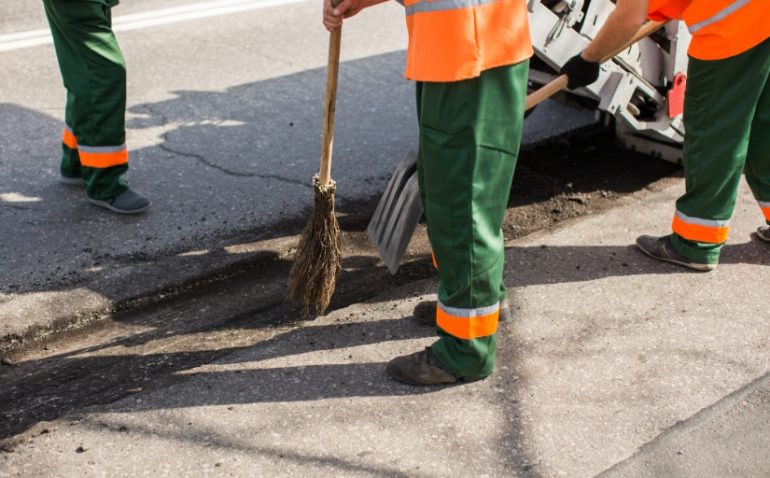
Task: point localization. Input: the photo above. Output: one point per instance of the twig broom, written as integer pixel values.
(317, 261)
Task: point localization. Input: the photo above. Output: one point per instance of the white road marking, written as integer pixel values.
(165, 16)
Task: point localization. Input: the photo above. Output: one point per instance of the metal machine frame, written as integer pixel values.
(631, 92)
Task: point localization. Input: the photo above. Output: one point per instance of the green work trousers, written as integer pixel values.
(727, 121)
(470, 132)
(94, 75)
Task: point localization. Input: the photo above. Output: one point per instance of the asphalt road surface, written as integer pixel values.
(224, 125)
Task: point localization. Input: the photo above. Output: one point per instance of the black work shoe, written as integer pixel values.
(420, 368)
(127, 202)
(763, 233)
(660, 248)
(425, 312)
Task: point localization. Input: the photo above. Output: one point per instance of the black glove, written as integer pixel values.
(580, 72)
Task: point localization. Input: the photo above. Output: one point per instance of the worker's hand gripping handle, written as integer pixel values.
(330, 100)
(560, 82)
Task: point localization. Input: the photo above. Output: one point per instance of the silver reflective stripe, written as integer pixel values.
(718, 16)
(469, 313)
(102, 149)
(701, 222)
(443, 5)
(69, 129)
(763, 204)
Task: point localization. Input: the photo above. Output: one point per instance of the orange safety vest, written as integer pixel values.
(452, 40)
(720, 28)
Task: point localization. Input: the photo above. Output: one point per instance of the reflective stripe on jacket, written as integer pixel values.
(452, 40)
(720, 28)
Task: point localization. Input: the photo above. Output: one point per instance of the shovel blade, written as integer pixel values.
(397, 214)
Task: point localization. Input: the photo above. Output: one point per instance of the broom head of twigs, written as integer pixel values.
(317, 262)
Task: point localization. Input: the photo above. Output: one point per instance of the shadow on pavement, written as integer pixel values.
(283, 368)
(560, 264)
(229, 166)
(214, 438)
(43, 389)
(118, 367)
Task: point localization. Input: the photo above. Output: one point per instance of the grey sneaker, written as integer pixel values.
(72, 180)
(127, 202)
(425, 312)
(763, 233)
(660, 248)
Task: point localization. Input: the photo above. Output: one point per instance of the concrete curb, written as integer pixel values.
(33, 318)
(685, 449)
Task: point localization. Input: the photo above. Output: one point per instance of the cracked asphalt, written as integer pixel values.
(224, 125)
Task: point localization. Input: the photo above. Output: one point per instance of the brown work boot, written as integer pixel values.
(661, 249)
(425, 312)
(419, 368)
(763, 233)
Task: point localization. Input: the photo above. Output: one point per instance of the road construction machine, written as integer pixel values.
(639, 93)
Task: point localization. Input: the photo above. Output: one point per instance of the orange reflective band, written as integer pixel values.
(468, 328)
(433, 258)
(698, 232)
(103, 159)
(765, 206)
(69, 139)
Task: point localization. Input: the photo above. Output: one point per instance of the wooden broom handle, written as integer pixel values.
(330, 100)
(560, 82)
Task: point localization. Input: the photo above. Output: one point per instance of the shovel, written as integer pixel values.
(400, 208)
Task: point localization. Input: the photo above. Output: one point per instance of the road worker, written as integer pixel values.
(726, 115)
(470, 61)
(94, 74)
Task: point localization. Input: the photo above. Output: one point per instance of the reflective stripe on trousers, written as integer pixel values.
(468, 324)
(95, 156)
(700, 230)
(765, 206)
(103, 156)
(69, 139)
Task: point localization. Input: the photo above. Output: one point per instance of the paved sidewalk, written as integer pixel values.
(612, 363)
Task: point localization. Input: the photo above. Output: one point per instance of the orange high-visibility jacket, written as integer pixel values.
(452, 40)
(720, 28)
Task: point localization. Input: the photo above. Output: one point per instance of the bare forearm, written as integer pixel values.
(624, 21)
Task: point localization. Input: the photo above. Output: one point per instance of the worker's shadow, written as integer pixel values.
(336, 357)
(312, 362)
(534, 265)
(315, 364)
